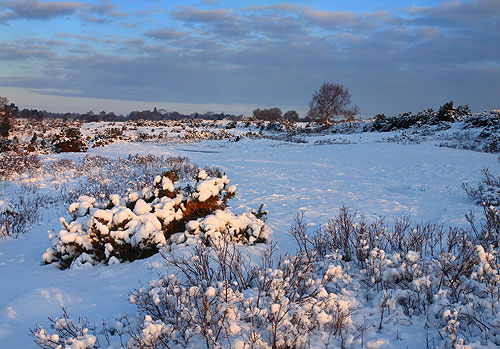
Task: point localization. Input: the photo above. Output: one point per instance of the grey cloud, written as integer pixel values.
(163, 34)
(333, 20)
(477, 14)
(101, 13)
(107, 10)
(135, 42)
(26, 49)
(34, 9)
(191, 14)
(85, 38)
(31, 82)
(223, 24)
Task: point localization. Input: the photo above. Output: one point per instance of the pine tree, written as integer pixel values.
(5, 117)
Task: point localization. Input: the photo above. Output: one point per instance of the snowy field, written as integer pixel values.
(374, 179)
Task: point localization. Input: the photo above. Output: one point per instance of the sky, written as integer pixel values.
(234, 56)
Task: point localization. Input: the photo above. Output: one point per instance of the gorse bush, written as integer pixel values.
(69, 140)
(136, 226)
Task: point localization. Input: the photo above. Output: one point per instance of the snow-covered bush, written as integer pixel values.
(136, 226)
(487, 192)
(15, 163)
(109, 135)
(219, 299)
(351, 284)
(69, 140)
(67, 333)
(409, 271)
(100, 177)
(382, 123)
(488, 120)
(7, 214)
(18, 215)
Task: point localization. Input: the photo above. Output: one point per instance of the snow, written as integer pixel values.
(104, 215)
(210, 293)
(210, 188)
(167, 184)
(142, 207)
(375, 179)
(4, 206)
(377, 343)
(122, 215)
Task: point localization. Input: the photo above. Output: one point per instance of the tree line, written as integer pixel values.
(329, 103)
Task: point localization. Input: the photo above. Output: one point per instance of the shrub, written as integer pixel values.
(221, 300)
(487, 192)
(70, 140)
(100, 177)
(444, 281)
(490, 120)
(15, 163)
(126, 229)
(7, 215)
(17, 216)
(403, 121)
(70, 334)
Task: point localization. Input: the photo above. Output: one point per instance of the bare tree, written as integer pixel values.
(329, 101)
(351, 113)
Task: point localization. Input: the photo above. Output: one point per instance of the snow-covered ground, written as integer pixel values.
(374, 178)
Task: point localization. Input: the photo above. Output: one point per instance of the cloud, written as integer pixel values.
(86, 38)
(107, 10)
(101, 13)
(34, 9)
(25, 49)
(411, 58)
(163, 34)
(194, 15)
(479, 14)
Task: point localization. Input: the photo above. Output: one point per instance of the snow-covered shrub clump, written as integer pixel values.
(220, 300)
(487, 192)
(16, 163)
(448, 281)
(137, 226)
(69, 140)
(18, 214)
(68, 334)
(488, 140)
(101, 177)
(7, 214)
